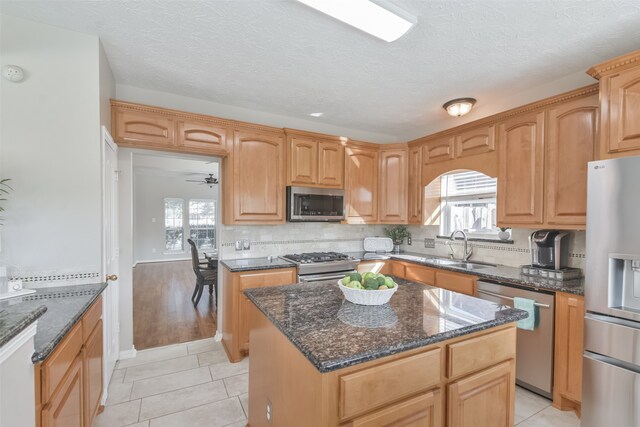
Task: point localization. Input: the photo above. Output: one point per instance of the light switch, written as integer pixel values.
(238, 245)
(246, 244)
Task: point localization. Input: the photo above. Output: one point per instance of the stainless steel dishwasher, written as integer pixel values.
(534, 354)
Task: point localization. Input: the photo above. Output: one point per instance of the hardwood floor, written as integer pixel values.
(163, 313)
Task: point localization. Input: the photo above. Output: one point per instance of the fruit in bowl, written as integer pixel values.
(368, 288)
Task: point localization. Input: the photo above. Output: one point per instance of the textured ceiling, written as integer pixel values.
(283, 57)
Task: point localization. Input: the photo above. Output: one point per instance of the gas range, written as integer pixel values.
(317, 266)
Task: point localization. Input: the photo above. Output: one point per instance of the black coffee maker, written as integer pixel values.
(549, 249)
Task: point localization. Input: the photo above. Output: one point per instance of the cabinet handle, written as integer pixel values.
(537, 304)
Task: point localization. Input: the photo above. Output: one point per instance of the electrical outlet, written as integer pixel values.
(238, 245)
(246, 244)
(429, 243)
(409, 240)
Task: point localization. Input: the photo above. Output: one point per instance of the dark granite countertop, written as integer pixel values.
(499, 273)
(248, 264)
(333, 333)
(16, 317)
(62, 306)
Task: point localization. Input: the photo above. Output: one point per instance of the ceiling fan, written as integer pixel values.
(209, 180)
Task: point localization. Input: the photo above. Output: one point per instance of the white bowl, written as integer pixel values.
(365, 297)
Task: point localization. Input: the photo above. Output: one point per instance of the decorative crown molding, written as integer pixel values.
(612, 65)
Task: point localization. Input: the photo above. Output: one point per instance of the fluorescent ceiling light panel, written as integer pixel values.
(380, 18)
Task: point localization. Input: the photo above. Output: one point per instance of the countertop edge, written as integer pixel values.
(41, 356)
(23, 324)
(266, 266)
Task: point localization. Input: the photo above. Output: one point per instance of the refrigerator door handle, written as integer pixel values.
(611, 361)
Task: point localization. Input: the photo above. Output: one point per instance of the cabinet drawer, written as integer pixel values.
(371, 388)
(398, 269)
(477, 353)
(420, 274)
(58, 363)
(456, 282)
(267, 278)
(420, 411)
(91, 319)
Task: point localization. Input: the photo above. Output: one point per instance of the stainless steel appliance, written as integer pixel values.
(611, 381)
(314, 204)
(549, 249)
(534, 353)
(317, 266)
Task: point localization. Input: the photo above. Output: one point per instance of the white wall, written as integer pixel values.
(149, 192)
(107, 88)
(50, 141)
(200, 106)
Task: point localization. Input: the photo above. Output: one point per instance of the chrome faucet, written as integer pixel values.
(467, 250)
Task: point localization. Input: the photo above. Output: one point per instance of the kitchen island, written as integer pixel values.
(428, 356)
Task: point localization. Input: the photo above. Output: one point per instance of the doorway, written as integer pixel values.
(175, 199)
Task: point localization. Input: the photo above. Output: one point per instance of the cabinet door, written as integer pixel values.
(92, 361)
(258, 177)
(462, 283)
(421, 411)
(415, 186)
(438, 150)
(521, 170)
(65, 408)
(144, 129)
(330, 164)
(475, 141)
(571, 143)
(484, 399)
(621, 111)
(569, 346)
(202, 136)
(420, 274)
(303, 161)
(361, 185)
(393, 187)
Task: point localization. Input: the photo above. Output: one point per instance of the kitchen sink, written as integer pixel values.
(468, 265)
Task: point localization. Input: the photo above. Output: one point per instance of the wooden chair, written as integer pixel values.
(205, 275)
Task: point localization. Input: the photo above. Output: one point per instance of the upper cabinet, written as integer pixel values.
(479, 140)
(394, 185)
(520, 170)
(361, 184)
(142, 126)
(571, 143)
(620, 105)
(256, 192)
(415, 186)
(314, 160)
(438, 150)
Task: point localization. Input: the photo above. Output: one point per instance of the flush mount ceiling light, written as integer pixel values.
(459, 106)
(316, 114)
(379, 18)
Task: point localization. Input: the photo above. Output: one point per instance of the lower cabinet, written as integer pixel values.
(235, 322)
(421, 411)
(484, 399)
(569, 346)
(69, 382)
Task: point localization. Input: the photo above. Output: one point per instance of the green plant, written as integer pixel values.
(5, 188)
(397, 233)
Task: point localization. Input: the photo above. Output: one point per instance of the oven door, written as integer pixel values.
(314, 204)
(306, 278)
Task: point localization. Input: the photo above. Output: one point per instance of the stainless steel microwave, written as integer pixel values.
(314, 204)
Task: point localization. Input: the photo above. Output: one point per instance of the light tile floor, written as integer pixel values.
(193, 384)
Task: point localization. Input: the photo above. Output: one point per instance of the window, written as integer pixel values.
(468, 203)
(173, 224)
(202, 223)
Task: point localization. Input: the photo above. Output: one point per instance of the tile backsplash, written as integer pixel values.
(319, 237)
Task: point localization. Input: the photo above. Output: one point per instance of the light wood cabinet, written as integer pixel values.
(620, 105)
(424, 410)
(258, 177)
(571, 144)
(475, 141)
(457, 282)
(314, 160)
(438, 150)
(235, 322)
(69, 382)
(416, 190)
(361, 184)
(65, 407)
(330, 164)
(200, 135)
(569, 346)
(521, 170)
(143, 128)
(484, 399)
(394, 182)
(420, 274)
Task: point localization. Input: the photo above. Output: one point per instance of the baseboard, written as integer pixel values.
(218, 336)
(151, 261)
(128, 354)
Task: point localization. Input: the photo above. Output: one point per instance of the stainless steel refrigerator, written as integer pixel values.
(611, 382)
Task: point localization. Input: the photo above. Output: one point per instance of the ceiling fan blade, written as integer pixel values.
(193, 180)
